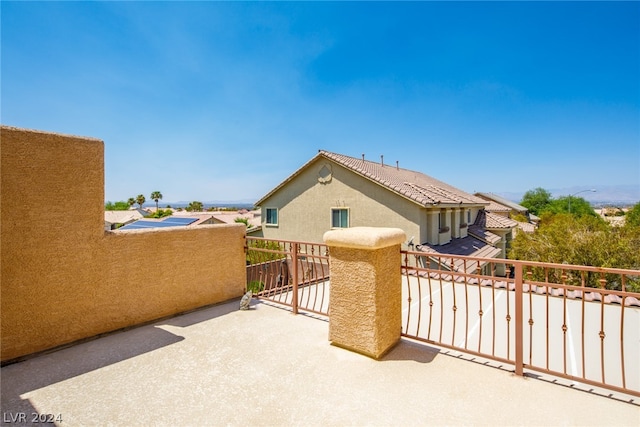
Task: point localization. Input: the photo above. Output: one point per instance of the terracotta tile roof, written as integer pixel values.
(227, 217)
(496, 207)
(527, 227)
(123, 217)
(468, 246)
(492, 221)
(203, 219)
(415, 186)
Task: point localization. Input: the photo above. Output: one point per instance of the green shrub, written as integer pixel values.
(117, 206)
(161, 213)
(255, 257)
(245, 221)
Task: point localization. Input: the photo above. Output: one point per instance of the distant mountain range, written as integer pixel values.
(241, 204)
(604, 194)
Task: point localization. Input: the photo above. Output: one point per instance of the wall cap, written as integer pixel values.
(7, 128)
(364, 237)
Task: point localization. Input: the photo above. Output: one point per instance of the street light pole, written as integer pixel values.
(593, 190)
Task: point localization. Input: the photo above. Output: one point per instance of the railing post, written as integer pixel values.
(294, 261)
(519, 319)
(366, 289)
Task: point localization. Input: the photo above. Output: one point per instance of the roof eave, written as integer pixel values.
(290, 178)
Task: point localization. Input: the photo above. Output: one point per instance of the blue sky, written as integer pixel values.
(222, 101)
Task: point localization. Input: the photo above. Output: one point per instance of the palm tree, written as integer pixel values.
(140, 200)
(131, 202)
(156, 195)
(195, 206)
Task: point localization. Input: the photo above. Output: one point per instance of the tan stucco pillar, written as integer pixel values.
(432, 226)
(366, 288)
(455, 223)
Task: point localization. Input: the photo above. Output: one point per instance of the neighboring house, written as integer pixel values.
(500, 203)
(613, 215)
(229, 217)
(500, 206)
(336, 191)
(115, 219)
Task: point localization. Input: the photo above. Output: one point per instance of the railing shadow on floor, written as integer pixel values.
(578, 324)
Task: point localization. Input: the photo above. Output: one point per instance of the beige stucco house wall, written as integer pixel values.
(64, 278)
(304, 208)
(305, 200)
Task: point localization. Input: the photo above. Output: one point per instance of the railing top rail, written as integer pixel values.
(528, 263)
(298, 242)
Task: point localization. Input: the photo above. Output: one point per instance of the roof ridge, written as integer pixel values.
(413, 185)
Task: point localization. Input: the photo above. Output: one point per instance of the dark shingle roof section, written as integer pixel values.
(467, 246)
(484, 235)
(416, 186)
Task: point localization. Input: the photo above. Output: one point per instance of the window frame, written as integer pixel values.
(266, 217)
(341, 209)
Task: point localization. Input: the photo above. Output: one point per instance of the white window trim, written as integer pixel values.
(341, 208)
(266, 217)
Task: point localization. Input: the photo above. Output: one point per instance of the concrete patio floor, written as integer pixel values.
(222, 366)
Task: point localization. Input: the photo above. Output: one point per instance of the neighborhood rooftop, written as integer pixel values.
(502, 201)
(489, 220)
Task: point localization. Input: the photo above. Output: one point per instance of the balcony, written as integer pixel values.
(222, 366)
(92, 332)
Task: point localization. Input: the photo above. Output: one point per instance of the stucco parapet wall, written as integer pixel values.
(364, 237)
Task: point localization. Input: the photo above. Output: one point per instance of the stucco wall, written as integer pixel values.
(305, 206)
(366, 288)
(64, 278)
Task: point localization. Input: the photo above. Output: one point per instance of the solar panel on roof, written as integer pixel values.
(167, 222)
(140, 224)
(179, 221)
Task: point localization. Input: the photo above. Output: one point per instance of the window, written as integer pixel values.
(272, 216)
(339, 218)
(469, 217)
